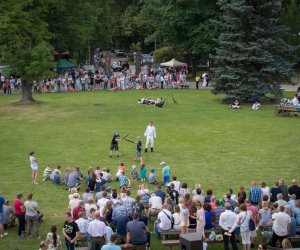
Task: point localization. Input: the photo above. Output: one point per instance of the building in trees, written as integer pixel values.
(252, 59)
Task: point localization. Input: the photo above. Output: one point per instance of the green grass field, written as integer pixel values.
(201, 139)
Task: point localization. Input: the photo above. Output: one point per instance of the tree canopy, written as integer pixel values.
(251, 57)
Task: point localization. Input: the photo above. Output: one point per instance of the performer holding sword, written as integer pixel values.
(150, 134)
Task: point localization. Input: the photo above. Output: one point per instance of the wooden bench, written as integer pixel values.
(294, 238)
(175, 243)
(132, 247)
(165, 234)
(286, 110)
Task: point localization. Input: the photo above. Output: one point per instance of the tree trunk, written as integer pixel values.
(26, 92)
(137, 64)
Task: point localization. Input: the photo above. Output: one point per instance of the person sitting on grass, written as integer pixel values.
(56, 175)
(143, 172)
(47, 173)
(152, 177)
(134, 174)
(123, 180)
(256, 105)
(121, 168)
(235, 105)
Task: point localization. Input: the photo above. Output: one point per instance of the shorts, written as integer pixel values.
(166, 178)
(114, 147)
(138, 153)
(184, 223)
(34, 167)
(1, 218)
(246, 237)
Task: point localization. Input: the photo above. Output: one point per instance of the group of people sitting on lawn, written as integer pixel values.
(150, 101)
(236, 105)
(104, 215)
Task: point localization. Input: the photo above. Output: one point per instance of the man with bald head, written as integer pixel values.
(294, 189)
(255, 194)
(97, 232)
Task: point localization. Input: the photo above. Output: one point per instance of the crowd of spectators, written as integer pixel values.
(79, 80)
(104, 215)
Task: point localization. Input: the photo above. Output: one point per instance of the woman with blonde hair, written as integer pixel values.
(286, 244)
(106, 212)
(200, 215)
(89, 205)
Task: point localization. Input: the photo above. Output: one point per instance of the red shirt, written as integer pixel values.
(254, 211)
(76, 212)
(17, 205)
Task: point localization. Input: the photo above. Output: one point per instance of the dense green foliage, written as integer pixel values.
(32, 32)
(202, 140)
(251, 57)
(24, 40)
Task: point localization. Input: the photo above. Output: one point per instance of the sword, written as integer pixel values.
(130, 141)
(124, 137)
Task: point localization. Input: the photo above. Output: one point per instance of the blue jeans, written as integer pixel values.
(70, 246)
(156, 228)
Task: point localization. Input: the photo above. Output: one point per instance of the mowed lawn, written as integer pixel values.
(202, 140)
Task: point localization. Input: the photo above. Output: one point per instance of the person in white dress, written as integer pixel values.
(34, 167)
(150, 134)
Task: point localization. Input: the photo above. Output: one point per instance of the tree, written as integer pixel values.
(24, 42)
(291, 18)
(183, 25)
(251, 58)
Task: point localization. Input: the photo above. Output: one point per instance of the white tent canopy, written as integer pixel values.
(173, 63)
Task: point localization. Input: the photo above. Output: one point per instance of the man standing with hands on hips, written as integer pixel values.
(150, 134)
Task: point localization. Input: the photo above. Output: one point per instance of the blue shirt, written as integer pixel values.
(255, 194)
(120, 223)
(2, 200)
(160, 194)
(120, 210)
(111, 246)
(122, 180)
(136, 230)
(166, 170)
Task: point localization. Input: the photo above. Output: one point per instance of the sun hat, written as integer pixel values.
(163, 163)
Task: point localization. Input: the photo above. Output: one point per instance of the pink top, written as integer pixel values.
(121, 168)
(17, 205)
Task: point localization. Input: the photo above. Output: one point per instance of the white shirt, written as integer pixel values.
(176, 185)
(97, 228)
(177, 220)
(88, 208)
(228, 220)
(33, 161)
(102, 202)
(280, 225)
(73, 203)
(82, 225)
(265, 191)
(155, 202)
(165, 222)
(150, 131)
(244, 218)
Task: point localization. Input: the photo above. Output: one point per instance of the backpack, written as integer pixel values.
(145, 199)
(252, 226)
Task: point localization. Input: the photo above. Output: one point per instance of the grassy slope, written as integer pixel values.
(202, 140)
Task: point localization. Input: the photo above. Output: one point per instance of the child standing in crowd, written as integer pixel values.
(134, 174)
(184, 217)
(143, 172)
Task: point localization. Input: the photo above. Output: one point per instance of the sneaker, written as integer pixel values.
(38, 238)
(29, 237)
(5, 234)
